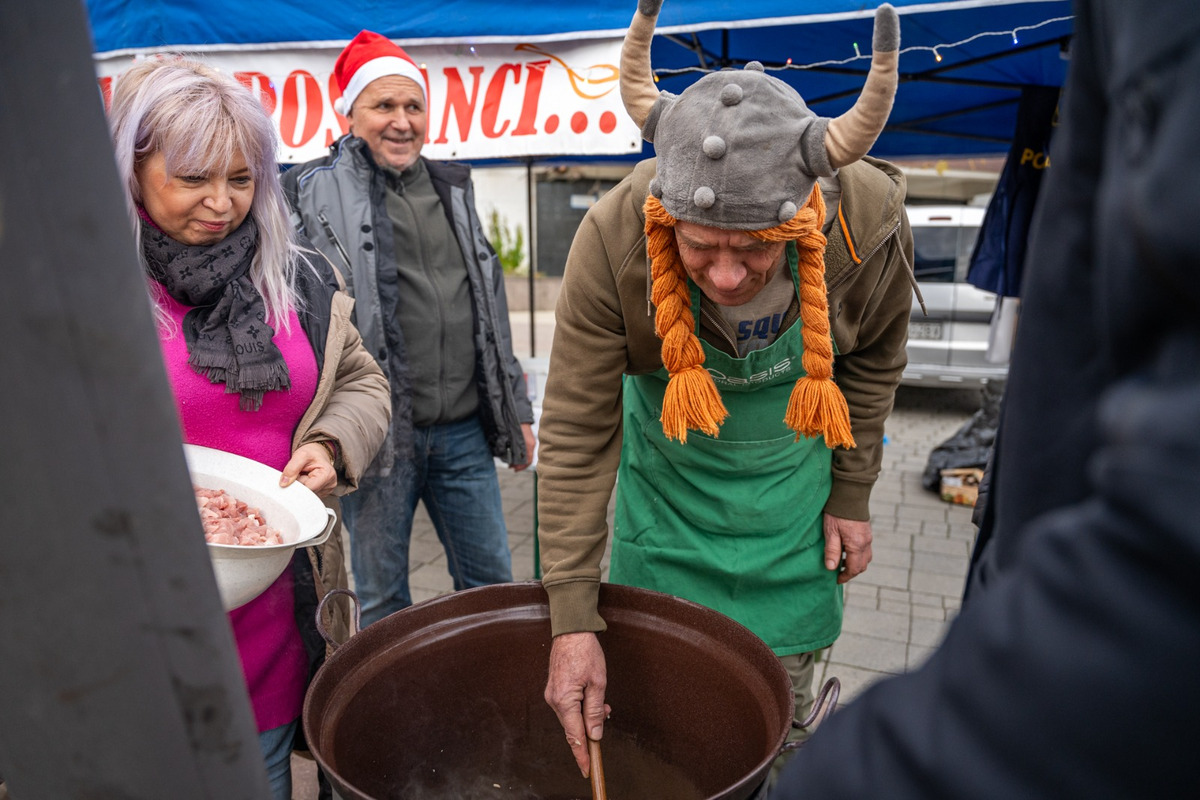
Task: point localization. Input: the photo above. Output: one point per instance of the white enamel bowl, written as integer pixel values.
(244, 572)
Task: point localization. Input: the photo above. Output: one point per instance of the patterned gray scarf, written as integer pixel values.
(227, 336)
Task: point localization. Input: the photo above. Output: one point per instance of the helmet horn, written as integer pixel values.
(852, 134)
(638, 91)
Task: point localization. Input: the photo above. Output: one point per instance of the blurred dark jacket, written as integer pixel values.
(1071, 671)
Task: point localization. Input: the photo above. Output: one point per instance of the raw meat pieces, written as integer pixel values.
(228, 520)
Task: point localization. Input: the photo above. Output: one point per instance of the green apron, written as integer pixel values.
(733, 523)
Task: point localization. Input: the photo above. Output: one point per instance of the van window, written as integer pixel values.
(942, 253)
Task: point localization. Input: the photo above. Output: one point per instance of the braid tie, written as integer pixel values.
(691, 400)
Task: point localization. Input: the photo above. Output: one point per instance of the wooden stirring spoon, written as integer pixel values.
(597, 773)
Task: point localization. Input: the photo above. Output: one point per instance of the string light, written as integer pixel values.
(858, 55)
(1013, 33)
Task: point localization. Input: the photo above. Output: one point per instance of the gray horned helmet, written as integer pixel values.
(739, 149)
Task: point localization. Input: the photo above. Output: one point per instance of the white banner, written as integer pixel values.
(485, 101)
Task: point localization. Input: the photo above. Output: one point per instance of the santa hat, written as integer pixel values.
(367, 57)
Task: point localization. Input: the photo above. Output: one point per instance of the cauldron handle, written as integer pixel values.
(354, 624)
(826, 703)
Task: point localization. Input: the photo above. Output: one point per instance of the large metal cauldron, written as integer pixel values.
(444, 700)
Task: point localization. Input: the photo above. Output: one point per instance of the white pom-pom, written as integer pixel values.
(713, 147)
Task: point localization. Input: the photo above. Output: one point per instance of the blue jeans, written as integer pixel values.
(276, 746)
(452, 472)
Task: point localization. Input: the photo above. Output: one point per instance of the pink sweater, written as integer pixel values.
(272, 654)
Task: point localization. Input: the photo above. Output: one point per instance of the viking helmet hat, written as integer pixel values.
(738, 146)
(740, 150)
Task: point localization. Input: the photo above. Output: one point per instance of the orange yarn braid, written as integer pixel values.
(691, 399)
(816, 407)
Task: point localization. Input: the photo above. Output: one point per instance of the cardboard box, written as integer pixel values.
(961, 485)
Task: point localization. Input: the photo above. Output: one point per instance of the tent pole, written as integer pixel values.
(532, 255)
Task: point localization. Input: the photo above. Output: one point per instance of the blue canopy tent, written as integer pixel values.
(962, 68)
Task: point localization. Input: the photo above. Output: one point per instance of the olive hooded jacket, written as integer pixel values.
(605, 329)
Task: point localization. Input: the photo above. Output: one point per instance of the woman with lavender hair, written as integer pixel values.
(257, 341)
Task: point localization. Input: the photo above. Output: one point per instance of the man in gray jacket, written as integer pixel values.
(431, 308)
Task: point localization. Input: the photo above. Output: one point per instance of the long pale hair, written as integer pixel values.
(199, 119)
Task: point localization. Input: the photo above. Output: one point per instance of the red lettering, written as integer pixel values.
(457, 102)
(491, 100)
(260, 85)
(526, 124)
(106, 86)
(297, 125)
(428, 98)
(335, 94)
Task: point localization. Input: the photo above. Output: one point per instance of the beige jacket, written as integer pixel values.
(605, 329)
(352, 406)
(353, 403)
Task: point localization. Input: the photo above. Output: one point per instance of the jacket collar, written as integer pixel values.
(868, 214)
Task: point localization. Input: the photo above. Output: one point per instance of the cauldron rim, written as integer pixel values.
(353, 664)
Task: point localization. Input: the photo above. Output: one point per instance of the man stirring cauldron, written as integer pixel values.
(729, 338)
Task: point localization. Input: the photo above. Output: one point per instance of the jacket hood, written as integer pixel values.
(876, 207)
